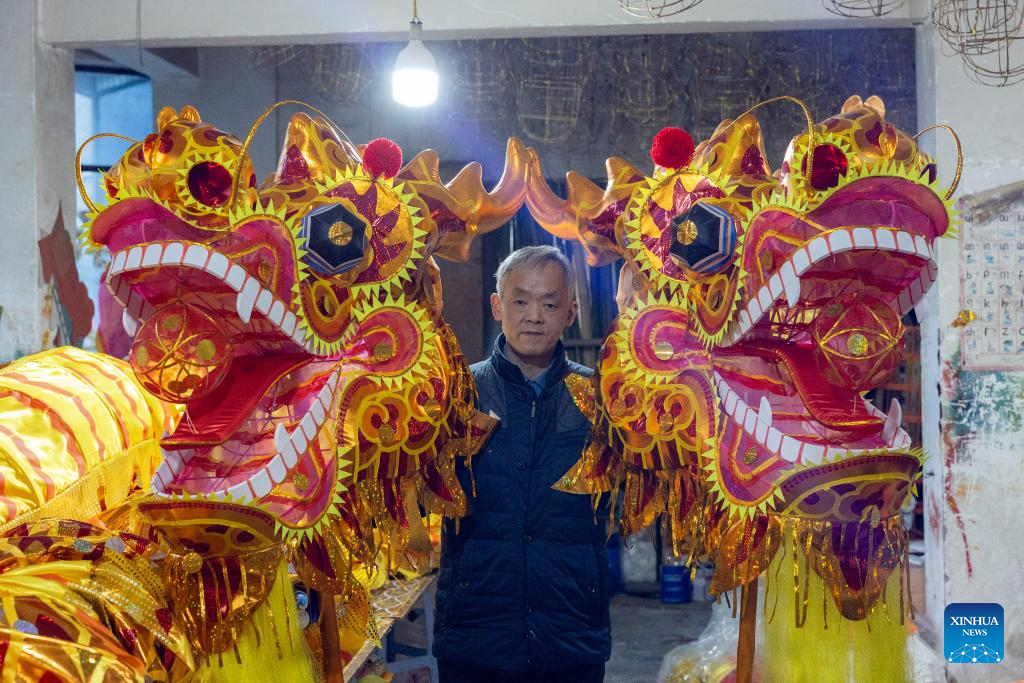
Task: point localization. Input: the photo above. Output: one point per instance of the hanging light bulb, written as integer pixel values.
(414, 80)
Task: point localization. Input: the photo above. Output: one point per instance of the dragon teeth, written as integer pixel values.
(764, 420)
(129, 322)
(821, 247)
(792, 291)
(892, 421)
(283, 442)
(244, 305)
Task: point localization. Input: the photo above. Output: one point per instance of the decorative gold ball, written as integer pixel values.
(387, 434)
(857, 343)
(192, 562)
(686, 232)
(750, 456)
(340, 233)
(206, 349)
(666, 423)
(663, 350)
(171, 323)
(382, 352)
(301, 481)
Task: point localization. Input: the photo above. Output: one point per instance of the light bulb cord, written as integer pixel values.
(415, 26)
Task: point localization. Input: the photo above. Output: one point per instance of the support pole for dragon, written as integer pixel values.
(748, 632)
(329, 636)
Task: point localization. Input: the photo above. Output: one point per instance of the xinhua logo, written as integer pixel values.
(973, 633)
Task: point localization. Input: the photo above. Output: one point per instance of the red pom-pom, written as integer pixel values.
(672, 148)
(382, 157)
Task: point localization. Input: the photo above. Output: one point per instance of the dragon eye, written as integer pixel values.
(209, 183)
(829, 163)
(335, 239)
(704, 238)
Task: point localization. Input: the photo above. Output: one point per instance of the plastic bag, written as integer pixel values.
(711, 658)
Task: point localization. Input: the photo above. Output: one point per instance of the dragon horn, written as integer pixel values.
(463, 208)
(588, 214)
(493, 209)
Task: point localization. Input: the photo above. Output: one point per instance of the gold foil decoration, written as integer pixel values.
(663, 350)
(686, 232)
(191, 562)
(750, 456)
(964, 318)
(383, 351)
(387, 434)
(617, 408)
(206, 349)
(857, 343)
(432, 408)
(582, 391)
(887, 143)
(340, 233)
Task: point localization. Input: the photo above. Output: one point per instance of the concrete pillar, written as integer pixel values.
(36, 175)
(972, 415)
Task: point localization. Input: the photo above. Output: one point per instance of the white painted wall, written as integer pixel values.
(986, 470)
(37, 148)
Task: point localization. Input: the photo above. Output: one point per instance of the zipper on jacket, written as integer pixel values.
(533, 430)
(526, 519)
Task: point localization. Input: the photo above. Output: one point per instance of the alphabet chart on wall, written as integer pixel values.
(992, 284)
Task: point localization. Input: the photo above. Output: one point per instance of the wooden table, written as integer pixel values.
(391, 602)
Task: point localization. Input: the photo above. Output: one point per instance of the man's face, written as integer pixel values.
(534, 309)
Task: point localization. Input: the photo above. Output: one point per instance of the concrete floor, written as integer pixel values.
(644, 629)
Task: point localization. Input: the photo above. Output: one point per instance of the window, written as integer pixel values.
(107, 100)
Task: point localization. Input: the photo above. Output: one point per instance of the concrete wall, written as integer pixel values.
(972, 419)
(36, 177)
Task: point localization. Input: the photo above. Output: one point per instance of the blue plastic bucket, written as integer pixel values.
(675, 584)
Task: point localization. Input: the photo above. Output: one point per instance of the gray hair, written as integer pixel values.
(537, 257)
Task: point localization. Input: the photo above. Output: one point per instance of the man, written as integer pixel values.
(523, 590)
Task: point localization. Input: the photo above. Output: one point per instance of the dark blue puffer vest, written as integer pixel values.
(524, 583)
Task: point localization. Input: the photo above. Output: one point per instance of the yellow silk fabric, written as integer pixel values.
(48, 581)
(65, 412)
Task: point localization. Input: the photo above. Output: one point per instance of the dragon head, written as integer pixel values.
(298, 321)
(761, 307)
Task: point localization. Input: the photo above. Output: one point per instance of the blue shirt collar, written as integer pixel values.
(537, 383)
